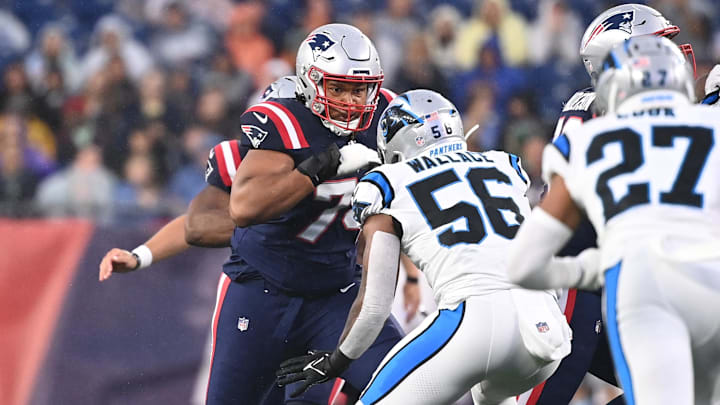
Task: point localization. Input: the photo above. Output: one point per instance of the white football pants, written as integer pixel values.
(475, 345)
(662, 309)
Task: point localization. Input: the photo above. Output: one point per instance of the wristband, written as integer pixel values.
(143, 255)
(411, 280)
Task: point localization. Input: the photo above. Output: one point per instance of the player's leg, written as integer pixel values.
(649, 341)
(435, 363)
(582, 309)
(247, 346)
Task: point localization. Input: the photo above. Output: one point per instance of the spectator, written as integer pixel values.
(393, 30)
(138, 196)
(481, 112)
(15, 38)
(189, 179)
(83, 189)
(33, 138)
(442, 38)
(493, 19)
(237, 85)
(248, 47)
(555, 34)
(179, 39)
(211, 113)
(532, 151)
(522, 124)
(112, 38)
(155, 105)
(272, 70)
(419, 71)
(54, 52)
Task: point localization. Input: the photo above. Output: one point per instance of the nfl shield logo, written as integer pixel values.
(542, 327)
(243, 324)
(419, 140)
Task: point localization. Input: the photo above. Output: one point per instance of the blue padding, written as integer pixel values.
(515, 164)
(563, 145)
(412, 356)
(621, 366)
(382, 183)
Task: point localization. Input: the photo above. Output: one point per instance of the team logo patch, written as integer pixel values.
(268, 90)
(255, 134)
(420, 140)
(620, 21)
(542, 327)
(243, 324)
(319, 43)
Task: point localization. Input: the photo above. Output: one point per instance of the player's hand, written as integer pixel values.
(355, 156)
(321, 166)
(593, 277)
(117, 261)
(411, 295)
(316, 367)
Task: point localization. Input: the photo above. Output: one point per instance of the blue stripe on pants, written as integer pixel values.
(414, 354)
(621, 366)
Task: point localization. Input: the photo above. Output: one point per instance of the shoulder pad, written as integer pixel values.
(580, 101)
(372, 194)
(556, 158)
(222, 164)
(271, 125)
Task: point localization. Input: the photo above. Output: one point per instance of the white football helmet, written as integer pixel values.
(619, 23)
(416, 122)
(283, 87)
(342, 53)
(642, 64)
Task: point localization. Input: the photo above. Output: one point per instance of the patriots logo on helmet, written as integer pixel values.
(621, 21)
(319, 43)
(255, 134)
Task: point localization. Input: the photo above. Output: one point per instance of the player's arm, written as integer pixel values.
(371, 308)
(166, 242)
(208, 222)
(543, 234)
(411, 290)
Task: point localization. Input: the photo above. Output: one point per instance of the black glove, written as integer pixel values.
(322, 166)
(316, 367)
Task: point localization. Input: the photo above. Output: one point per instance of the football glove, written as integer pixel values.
(355, 156)
(316, 367)
(322, 166)
(712, 87)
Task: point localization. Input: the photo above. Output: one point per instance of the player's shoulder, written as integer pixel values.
(276, 124)
(581, 100)
(385, 97)
(223, 161)
(374, 192)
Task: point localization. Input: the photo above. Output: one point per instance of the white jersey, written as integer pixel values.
(646, 171)
(458, 212)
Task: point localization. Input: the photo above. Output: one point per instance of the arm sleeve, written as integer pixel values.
(378, 296)
(222, 164)
(556, 159)
(532, 264)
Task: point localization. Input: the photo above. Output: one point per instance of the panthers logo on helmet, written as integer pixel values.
(319, 43)
(255, 134)
(621, 21)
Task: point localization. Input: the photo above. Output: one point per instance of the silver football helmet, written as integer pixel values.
(416, 122)
(619, 23)
(283, 87)
(642, 64)
(338, 52)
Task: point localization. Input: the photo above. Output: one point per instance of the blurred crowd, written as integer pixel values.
(108, 108)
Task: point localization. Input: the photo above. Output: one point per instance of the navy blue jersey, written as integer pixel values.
(222, 164)
(576, 110)
(311, 248)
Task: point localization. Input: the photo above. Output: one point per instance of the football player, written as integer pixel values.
(583, 308)
(645, 174)
(292, 275)
(454, 213)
